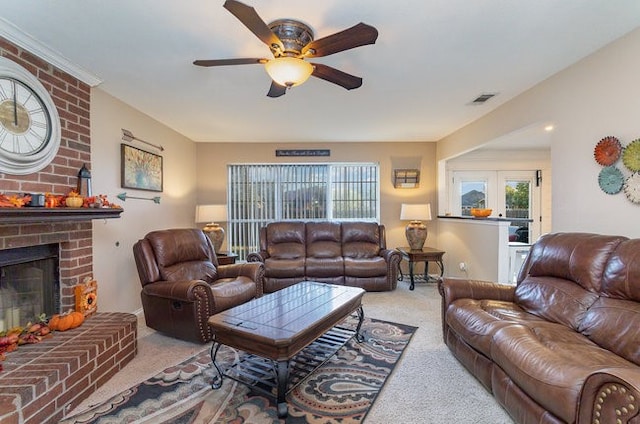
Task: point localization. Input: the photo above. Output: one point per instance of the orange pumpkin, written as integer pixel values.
(54, 321)
(67, 321)
(78, 319)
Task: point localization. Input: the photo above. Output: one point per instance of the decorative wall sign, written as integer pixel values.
(141, 170)
(86, 296)
(303, 152)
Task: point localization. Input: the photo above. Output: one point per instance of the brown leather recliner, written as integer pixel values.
(183, 285)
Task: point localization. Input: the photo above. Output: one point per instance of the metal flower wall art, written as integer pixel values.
(611, 178)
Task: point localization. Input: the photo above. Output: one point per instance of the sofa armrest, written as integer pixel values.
(459, 288)
(183, 290)
(610, 395)
(392, 257)
(257, 256)
(252, 270)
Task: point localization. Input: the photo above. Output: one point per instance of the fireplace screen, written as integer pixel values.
(29, 284)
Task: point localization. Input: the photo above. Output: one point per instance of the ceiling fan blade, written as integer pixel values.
(356, 36)
(335, 76)
(226, 62)
(276, 90)
(250, 18)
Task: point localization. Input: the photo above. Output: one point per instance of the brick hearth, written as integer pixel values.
(42, 382)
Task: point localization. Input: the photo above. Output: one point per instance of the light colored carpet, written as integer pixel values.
(427, 386)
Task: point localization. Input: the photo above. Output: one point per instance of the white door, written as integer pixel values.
(519, 199)
(510, 194)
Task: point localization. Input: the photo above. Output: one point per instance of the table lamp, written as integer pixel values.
(416, 231)
(213, 214)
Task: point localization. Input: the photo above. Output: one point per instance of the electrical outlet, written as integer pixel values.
(463, 267)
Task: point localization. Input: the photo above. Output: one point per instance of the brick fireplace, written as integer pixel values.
(72, 98)
(42, 382)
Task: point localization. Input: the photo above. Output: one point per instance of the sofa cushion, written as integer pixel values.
(230, 292)
(622, 274)
(323, 240)
(286, 240)
(579, 257)
(613, 321)
(614, 324)
(324, 267)
(368, 267)
(192, 261)
(477, 320)
(360, 239)
(555, 299)
(284, 267)
(550, 363)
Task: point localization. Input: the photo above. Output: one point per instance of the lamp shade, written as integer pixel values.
(211, 213)
(415, 212)
(288, 71)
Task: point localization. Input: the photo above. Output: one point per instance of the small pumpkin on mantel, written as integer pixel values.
(66, 321)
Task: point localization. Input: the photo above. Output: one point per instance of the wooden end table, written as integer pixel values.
(226, 258)
(285, 334)
(426, 255)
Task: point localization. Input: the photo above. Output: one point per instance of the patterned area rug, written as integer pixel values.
(340, 391)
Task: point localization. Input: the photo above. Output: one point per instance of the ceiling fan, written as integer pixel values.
(290, 42)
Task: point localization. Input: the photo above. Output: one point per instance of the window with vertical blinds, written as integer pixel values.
(261, 193)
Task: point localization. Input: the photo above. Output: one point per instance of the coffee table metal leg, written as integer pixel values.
(216, 383)
(282, 372)
(359, 336)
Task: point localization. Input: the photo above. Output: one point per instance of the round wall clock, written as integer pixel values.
(607, 151)
(632, 188)
(631, 156)
(29, 121)
(610, 180)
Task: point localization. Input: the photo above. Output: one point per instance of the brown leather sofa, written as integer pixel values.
(183, 285)
(563, 345)
(343, 253)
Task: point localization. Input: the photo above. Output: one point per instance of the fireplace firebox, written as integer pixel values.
(29, 284)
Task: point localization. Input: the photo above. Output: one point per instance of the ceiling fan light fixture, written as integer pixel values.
(288, 71)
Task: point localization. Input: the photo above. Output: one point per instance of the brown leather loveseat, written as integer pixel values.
(183, 285)
(344, 253)
(563, 345)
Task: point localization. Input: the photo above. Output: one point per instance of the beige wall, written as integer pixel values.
(114, 267)
(597, 97)
(594, 98)
(212, 159)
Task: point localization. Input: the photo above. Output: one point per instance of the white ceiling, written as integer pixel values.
(431, 59)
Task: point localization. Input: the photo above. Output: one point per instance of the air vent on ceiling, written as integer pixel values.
(482, 98)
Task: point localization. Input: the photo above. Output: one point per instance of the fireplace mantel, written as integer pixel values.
(27, 214)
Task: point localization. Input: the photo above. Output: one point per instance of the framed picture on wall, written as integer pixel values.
(141, 170)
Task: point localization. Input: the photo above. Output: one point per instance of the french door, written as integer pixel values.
(510, 194)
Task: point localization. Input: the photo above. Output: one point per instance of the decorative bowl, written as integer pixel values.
(480, 213)
(74, 202)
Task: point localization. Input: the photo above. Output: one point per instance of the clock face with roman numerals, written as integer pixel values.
(25, 124)
(29, 122)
